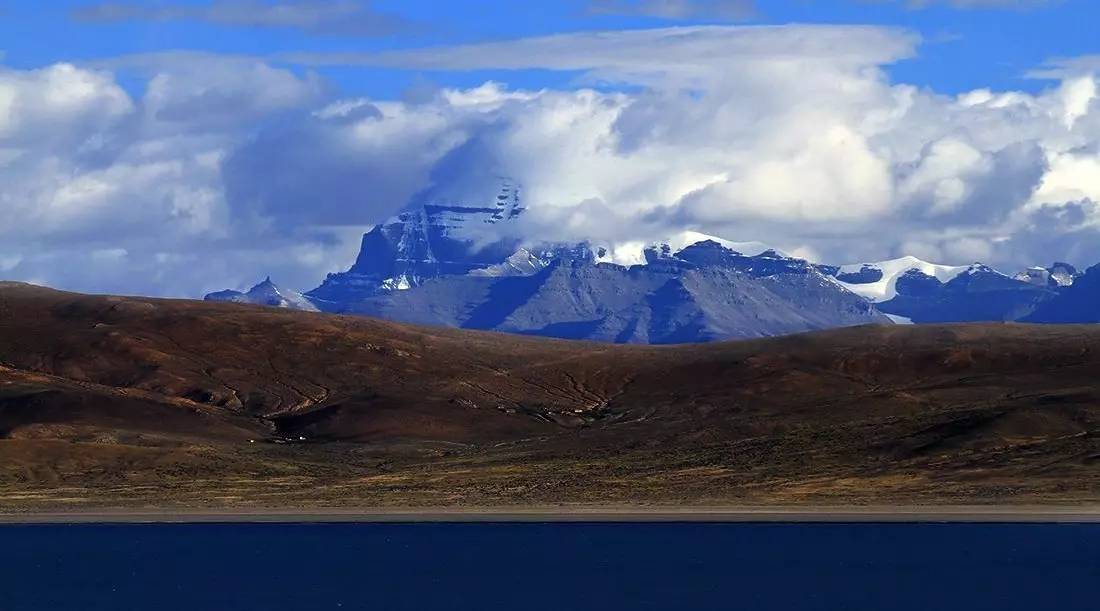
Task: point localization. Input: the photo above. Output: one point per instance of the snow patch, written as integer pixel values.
(521, 263)
(400, 283)
(899, 320)
(633, 252)
(684, 239)
(885, 288)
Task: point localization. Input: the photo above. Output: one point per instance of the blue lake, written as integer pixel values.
(559, 567)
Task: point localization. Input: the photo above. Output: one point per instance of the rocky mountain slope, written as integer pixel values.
(429, 241)
(434, 265)
(266, 294)
(703, 293)
(446, 262)
(1076, 303)
(917, 291)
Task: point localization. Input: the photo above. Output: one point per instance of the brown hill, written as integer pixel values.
(136, 401)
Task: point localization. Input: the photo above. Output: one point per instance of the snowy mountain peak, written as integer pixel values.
(631, 253)
(448, 231)
(265, 293)
(460, 213)
(1057, 275)
(1038, 276)
(1063, 274)
(877, 281)
(523, 262)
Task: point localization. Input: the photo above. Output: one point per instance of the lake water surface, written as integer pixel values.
(560, 567)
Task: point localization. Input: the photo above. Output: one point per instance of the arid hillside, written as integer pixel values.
(111, 401)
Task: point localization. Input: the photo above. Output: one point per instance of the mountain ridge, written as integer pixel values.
(443, 262)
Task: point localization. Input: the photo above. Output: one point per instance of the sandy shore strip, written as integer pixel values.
(899, 514)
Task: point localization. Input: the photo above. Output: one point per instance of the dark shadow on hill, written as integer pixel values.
(505, 296)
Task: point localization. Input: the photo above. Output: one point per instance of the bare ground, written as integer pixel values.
(109, 402)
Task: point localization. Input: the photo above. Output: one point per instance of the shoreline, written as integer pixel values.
(807, 515)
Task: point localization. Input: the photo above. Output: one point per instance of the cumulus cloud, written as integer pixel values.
(1068, 231)
(343, 17)
(104, 191)
(59, 104)
(223, 169)
(352, 162)
(791, 133)
(203, 90)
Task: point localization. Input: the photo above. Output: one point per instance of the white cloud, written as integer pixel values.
(1067, 67)
(226, 168)
(93, 178)
(1073, 176)
(830, 174)
(942, 177)
(1077, 95)
(206, 90)
(61, 104)
(789, 132)
(683, 55)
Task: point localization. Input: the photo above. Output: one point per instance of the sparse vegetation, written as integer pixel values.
(125, 402)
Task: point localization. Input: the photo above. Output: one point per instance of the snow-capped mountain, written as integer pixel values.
(1055, 276)
(440, 238)
(1078, 302)
(1063, 274)
(918, 291)
(691, 287)
(702, 292)
(523, 262)
(639, 252)
(877, 282)
(266, 293)
(455, 261)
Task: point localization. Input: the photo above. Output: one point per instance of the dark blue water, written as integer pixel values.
(558, 567)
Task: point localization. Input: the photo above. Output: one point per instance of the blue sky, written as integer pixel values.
(172, 147)
(985, 46)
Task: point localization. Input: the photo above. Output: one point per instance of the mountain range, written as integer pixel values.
(449, 263)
